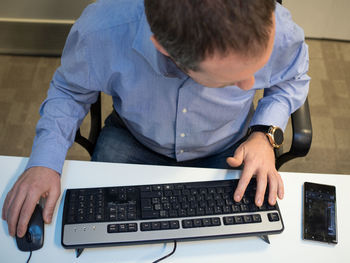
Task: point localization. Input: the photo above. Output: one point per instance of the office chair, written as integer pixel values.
(301, 130)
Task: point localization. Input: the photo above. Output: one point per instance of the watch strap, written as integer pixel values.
(259, 128)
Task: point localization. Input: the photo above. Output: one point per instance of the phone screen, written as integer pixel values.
(319, 216)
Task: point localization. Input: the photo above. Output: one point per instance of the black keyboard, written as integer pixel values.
(164, 212)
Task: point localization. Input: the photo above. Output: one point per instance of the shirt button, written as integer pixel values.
(184, 110)
(181, 151)
(182, 135)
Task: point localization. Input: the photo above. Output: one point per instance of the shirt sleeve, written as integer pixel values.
(289, 82)
(72, 91)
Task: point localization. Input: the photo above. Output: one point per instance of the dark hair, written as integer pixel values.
(190, 30)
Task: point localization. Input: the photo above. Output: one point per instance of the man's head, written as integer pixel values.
(216, 42)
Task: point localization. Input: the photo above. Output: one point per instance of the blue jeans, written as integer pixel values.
(116, 144)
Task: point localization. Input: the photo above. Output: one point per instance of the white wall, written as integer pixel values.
(322, 18)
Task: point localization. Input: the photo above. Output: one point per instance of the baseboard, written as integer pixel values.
(46, 38)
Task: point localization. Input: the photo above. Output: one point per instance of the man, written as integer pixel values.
(183, 75)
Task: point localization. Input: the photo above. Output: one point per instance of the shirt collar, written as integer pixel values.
(144, 46)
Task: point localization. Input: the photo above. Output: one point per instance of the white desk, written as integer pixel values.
(285, 247)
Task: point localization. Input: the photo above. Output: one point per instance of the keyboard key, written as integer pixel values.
(150, 214)
(155, 200)
(226, 209)
(179, 186)
(174, 224)
(228, 220)
(146, 226)
(132, 227)
(112, 228)
(168, 187)
(165, 225)
(256, 218)
(209, 211)
(211, 190)
(197, 222)
(163, 214)
(216, 221)
(187, 223)
(203, 191)
(238, 219)
(145, 188)
(146, 204)
(236, 209)
(123, 228)
(158, 207)
(131, 216)
(121, 216)
(152, 194)
(273, 217)
(99, 217)
(157, 187)
(200, 211)
(172, 213)
(217, 210)
(244, 208)
(182, 212)
(191, 212)
(247, 219)
(207, 222)
(155, 225)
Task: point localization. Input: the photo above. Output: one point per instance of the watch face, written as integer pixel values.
(278, 136)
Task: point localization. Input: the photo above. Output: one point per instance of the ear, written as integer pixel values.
(158, 46)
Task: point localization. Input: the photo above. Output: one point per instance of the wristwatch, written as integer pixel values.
(273, 133)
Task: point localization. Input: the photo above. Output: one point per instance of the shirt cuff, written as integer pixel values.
(50, 155)
(274, 114)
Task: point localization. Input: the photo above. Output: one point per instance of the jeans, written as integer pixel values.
(116, 144)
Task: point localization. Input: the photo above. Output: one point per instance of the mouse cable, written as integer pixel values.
(166, 256)
(30, 255)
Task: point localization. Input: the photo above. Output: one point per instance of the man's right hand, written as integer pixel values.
(20, 202)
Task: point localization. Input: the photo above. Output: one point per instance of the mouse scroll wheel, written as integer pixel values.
(29, 236)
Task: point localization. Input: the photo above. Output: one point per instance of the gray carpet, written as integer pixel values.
(24, 81)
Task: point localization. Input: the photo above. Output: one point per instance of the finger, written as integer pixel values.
(280, 190)
(13, 211)
(6, 205)
(237, 159)
(50, 204)
(247, 174)
(273, 185)
(261, 181)
(26, 213)
(9, 199)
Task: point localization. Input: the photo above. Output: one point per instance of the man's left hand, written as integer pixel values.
(258, 157)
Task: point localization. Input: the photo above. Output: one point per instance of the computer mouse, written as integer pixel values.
(34, 237)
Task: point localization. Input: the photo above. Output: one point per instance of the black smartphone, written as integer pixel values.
(320, 213)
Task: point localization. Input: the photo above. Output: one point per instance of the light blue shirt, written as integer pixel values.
(109, 50)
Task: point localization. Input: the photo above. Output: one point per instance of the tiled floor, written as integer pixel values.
(24, 81)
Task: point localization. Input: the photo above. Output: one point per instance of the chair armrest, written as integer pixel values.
(95, 128)
(302, 135)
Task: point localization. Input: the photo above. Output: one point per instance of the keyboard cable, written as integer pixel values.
(166, 256)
